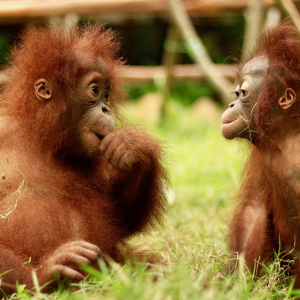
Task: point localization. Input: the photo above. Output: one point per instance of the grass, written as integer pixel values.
(205, 171)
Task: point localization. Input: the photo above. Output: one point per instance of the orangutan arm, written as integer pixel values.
(252, 229)
(139, 182)
(248, 233)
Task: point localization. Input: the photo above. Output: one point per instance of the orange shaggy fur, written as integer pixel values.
(52, 192)
(267, 217)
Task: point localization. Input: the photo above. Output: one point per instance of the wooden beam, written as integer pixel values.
(17, 11)
(196, 48)
(180, 73)
(291, 10)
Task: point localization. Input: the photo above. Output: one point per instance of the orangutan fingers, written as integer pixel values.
(126, 162)
(82, 244)
(67, 272)
(118, 156)
(65, 258)
(114, 151)
(106, 142)
(89, 254)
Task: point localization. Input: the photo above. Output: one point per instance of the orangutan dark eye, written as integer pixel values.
(106, 95)
(237, 93)
(243, 92)
(95, 89)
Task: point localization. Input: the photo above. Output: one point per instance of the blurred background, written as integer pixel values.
(160, 38)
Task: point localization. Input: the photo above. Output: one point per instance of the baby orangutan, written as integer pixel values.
(72, 188)
(267, 113)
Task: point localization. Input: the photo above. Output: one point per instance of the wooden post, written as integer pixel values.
(289, 8)
(197, 50)
(169, 59)
(273, 17)
(254, 17)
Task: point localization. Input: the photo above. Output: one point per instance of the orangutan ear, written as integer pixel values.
(288, 99)
(42, 88)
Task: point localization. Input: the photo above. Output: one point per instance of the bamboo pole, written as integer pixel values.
(289, 8)
(197, 50)
(136, 75)
(33, 8)
(254, 17)
(169, 59)
(273, 17)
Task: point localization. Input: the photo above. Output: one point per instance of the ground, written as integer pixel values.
(205, 171)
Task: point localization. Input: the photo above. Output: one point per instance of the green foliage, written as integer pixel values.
(205, 171)
(136, 92)
(185, 93)
(3, 47)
